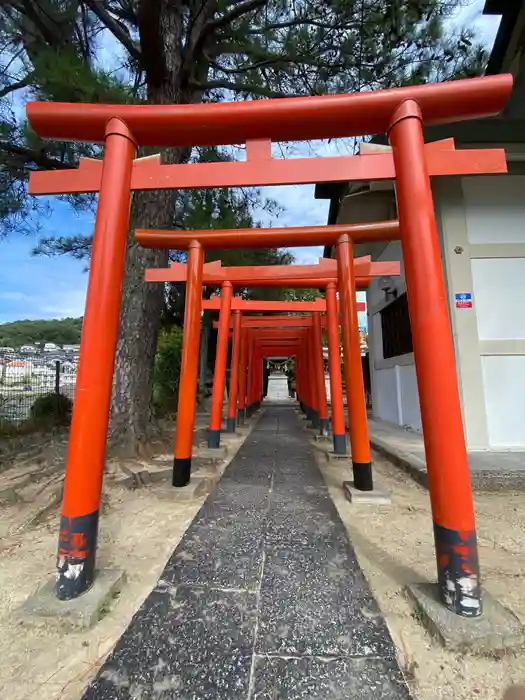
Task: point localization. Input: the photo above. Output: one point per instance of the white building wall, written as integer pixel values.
(481, 223)
(495, 223)
(394, 388)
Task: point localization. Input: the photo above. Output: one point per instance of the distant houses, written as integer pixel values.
(35, 349)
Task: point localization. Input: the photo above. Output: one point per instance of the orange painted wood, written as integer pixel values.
(289, 119)
(290, 236)
(291, 171)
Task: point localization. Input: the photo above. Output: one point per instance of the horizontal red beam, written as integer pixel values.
(327, 268)
(289, 236)
(257, 306)
(291, 171)
(274, 275)
(273, 322)
(279, 333)
(282, 321)
(291, 119)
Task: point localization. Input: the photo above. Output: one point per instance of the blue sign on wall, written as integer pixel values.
(463, 300)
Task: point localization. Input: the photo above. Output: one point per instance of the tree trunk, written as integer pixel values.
(132, 418)
(131, 410)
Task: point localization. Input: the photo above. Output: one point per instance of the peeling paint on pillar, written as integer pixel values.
(458, 571)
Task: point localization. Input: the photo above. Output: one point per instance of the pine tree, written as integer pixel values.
(186, 52)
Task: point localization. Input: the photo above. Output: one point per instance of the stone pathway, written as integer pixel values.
(263, 598)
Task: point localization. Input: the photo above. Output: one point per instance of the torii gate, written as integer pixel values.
(398, 112)
(322, 274)
(241, 305)
(227, 305)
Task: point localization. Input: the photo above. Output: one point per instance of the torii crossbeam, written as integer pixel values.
(257, 306)
(318, 275)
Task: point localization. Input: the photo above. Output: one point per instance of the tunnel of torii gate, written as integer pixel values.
(323, 275)
(401, 114)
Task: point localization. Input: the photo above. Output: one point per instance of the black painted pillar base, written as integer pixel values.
(363, 476)
(249, 411)
(314, 417)
(181, 471)
(241, 414)
(77, 547)
(457, 561)
(230, 425)
(214, 438)
(339, 444)
(324, 424)
(301, 406)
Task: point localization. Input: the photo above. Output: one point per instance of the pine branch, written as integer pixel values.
(238, 87)
(17, 86)
(118, 29)
(227, 18)
(30, 155)
(280, 60)
(298, 22)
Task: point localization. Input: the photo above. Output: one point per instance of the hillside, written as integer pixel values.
(17, 333)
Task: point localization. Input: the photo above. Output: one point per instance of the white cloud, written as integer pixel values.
(14, 296)
(57, 303)
(70, 304)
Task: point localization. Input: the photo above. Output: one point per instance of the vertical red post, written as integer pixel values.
(303, 382)
(446, 454)
(305, 395)
(310, 385)
(317, 338)
(334, 362)
(254, 362)
(231, 420)
(258, 380)
(355, 389)
(219, 372)
(243, 372)
(188, 367)
(249, 378)
(87, 441)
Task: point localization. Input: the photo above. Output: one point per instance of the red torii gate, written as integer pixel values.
(246, 306)
(322, 274)
(398, 112)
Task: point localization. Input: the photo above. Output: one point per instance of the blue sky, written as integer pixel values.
(39, 287)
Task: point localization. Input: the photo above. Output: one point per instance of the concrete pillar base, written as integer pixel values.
(368, 498)
(79, 613)
(497, 630)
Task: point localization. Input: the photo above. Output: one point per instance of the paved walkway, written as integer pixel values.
(489, 470)
(263, 598)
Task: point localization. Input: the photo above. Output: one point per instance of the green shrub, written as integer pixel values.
(52, 409)
(167, 368)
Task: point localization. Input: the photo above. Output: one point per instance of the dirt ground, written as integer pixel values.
(138, 533)
(139, 530)
(394, 545)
